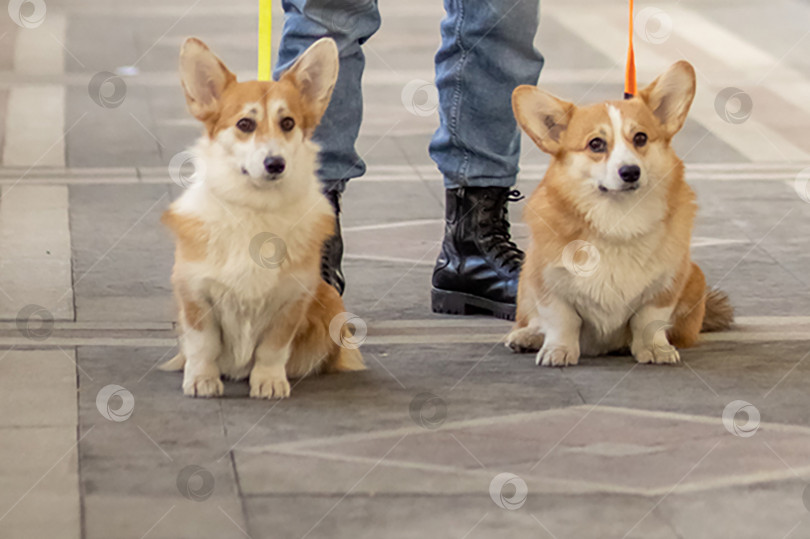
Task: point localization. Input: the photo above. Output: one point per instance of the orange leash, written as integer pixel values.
(630, 88)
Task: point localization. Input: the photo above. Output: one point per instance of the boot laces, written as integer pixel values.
(496, 231)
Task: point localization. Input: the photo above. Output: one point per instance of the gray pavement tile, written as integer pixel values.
(713, 375)
(120, 135)
(452, 516)
(768, 510)
(122, 255)
(277, 474)
(159, 423)
(137, 517)
(26, 376)
(462, 376)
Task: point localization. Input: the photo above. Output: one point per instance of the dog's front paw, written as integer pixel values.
(657, 354)
(266, 384)
(557, 355)
(524, 340)
(203, 385)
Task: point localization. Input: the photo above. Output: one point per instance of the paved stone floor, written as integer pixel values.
(447, 434)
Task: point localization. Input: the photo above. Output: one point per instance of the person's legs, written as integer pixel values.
(350, 23)
(487, 50)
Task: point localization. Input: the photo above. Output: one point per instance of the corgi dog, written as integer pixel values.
(609, 267)
(250, 229)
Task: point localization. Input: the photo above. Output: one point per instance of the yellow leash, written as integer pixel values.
(630, 88)
(265, 39)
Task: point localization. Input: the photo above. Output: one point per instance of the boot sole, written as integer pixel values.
(446, 302)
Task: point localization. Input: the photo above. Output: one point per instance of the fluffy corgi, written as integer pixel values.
(243, 314)
(609, 265)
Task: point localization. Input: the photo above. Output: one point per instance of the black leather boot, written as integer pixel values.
(478, 267)
(332, 251)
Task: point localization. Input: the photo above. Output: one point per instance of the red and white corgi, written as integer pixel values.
(241, 313)
(609, 263)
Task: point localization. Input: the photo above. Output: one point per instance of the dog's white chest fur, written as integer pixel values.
(611, 285)
(241, 276)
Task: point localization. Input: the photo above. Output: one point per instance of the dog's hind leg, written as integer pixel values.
(690, 310)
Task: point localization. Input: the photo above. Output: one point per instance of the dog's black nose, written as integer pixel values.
(274, 165)
(628, 173)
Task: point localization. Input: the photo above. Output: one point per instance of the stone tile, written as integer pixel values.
(603, 448)
(38, 388)
(713, 374)
(136, 517)
(115, 229)
(458, 516)
(769, 510)
(34, 226)
(39, 470)
(271, 473)
(461, 375)
(162, 422)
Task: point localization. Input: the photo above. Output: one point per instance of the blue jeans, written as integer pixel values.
(487, 50)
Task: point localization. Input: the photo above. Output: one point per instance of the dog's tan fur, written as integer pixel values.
(236, 317)
(645, 272)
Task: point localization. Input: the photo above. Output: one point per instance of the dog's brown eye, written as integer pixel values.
(597, 145)
(640, 139)
(247, 125)
(287, 124)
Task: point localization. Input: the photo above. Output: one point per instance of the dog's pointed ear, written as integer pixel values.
(543, 116)
(670, 96)
(204, 78)
(315, 74)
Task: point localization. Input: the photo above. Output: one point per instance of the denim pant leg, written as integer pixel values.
(487, 50)
(350, 23)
